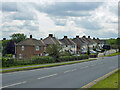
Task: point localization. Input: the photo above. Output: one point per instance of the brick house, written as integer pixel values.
(30, 47)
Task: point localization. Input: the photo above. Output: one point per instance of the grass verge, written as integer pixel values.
(111, 81)
(44, 66)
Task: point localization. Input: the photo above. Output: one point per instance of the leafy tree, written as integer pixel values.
(111, 42)
(10, 47)
(18, 37)
(54, 51)
(118, 43)
(4, 43)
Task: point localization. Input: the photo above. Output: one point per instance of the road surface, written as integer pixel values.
(67, 76)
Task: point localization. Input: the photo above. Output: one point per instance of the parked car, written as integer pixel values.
(84, 52)
(92, 51)
(98, 50)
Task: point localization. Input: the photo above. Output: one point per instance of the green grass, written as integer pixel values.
(44, 66)
(113, 54)
(109, 82)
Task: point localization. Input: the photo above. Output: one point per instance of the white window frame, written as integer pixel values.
(23, 48)
(20, 56)
(37, 48)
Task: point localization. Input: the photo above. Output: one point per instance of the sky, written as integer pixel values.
(40, 18)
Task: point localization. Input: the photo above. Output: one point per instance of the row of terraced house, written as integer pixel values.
(32, 47)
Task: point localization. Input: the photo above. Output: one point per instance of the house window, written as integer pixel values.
(37, 48)
(20, 56)
(22, 48)
(73, 46)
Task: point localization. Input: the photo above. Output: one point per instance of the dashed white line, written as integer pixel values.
(14, 84)
(47, 76)
(74, 69)
(83, 67)
(67, 71)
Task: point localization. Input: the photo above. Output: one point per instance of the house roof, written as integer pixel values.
(67, 41)
(97, 40)
(31, 42)
(78, 40)
(51, 40)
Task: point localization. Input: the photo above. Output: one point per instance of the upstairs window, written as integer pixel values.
(37, 48)
(22, 48)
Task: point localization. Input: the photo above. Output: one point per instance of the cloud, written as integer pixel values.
(60, 18)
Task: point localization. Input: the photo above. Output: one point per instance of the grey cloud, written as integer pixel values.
(9, 6)
(62, 8)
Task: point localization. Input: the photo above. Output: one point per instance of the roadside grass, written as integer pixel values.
(113, 54)
(112, 81)
(45, 66)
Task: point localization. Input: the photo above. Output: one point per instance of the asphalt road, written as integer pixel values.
(67, 76)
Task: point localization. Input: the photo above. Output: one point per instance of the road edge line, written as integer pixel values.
(98, 79)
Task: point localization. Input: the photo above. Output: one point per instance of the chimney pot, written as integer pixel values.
(88, 36)
(98, 38)
(50, 35)
(94, 38)
(4, 38)
(30, 36)
(84, 37)
(65, 36)
(77, 36)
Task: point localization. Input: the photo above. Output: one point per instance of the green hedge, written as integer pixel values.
(7, 61)
(72, 58)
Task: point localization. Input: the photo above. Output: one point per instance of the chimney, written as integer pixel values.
(30, 36)
(88, 36)
(65, 36)
(84, 37)
(50, 35)
(4, 38)
(77, 36)
(93, 38)
(40, 38)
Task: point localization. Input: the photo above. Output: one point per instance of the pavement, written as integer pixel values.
(67, 76)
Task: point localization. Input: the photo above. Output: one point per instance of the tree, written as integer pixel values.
(54, 51)
(10, 47)
(18, 37)
(4, 43)
(118, 43)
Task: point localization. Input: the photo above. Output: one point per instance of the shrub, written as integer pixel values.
(72, 58)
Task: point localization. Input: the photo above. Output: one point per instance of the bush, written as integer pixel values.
(102, 50)
(72, 58)
(8, 55)
(41, 60)
(7, 62)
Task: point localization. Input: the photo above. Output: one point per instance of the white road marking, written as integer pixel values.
(14, 84)
(47, 76)
(74, 69)
(67, 71)
(93, 65)
(83, 67)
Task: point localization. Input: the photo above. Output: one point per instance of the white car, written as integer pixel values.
(92, 51)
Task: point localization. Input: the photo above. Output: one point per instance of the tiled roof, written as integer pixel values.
(67, 41)
(51, 40)
(78, 40)
(31, 42)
